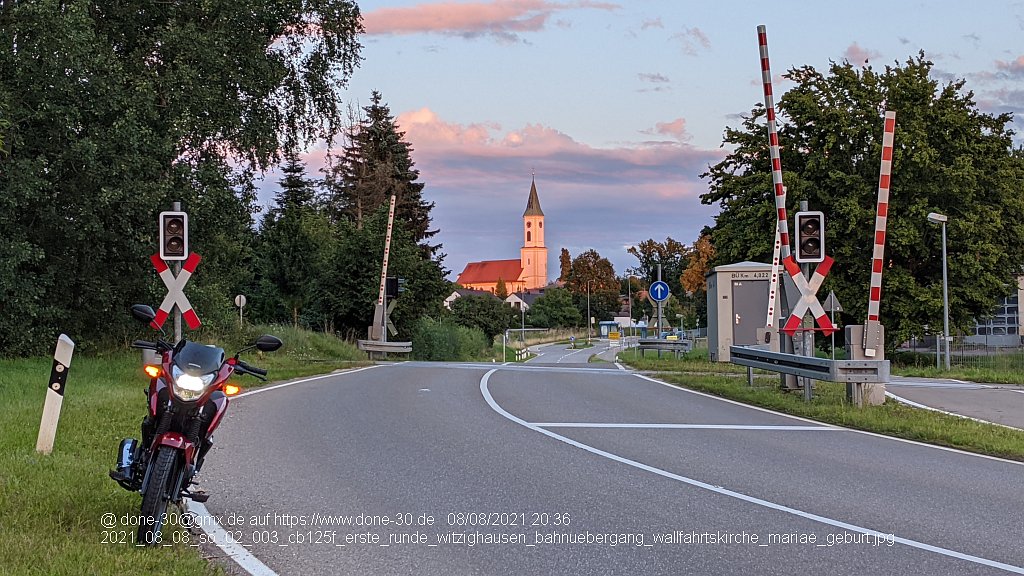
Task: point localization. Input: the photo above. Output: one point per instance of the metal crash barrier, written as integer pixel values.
(677, 347)
(874, 373)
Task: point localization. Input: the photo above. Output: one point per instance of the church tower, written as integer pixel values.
(533, 256)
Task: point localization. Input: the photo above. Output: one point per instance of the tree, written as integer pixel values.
(487, 313)
(948, 158)
(295, 245)
(671, 254)
(116, 110)
(501, 291)
(355, 273)
(377, 162)
(591, 273)
(554, 309)
(564, 265)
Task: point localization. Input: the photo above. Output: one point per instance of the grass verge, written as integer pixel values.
(51, 506)
(829, 405)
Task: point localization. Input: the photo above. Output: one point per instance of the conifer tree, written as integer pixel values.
(376, 162)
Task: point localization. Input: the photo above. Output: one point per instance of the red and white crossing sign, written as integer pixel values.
(808, 296)
(175, 291)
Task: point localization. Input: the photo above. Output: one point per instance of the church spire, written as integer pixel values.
(533, 204)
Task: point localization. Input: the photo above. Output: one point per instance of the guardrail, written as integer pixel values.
(374, 346)
(856, 372)
(677, 347)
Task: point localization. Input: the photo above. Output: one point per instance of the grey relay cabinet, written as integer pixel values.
(737, 306)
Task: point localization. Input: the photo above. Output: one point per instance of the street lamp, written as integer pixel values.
(588, 310)
(936, 218)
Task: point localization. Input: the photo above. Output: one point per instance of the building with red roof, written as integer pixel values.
(530, 271)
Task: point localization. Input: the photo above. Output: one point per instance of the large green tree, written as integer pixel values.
(949, 157)
(377, 162)
(593, 274)
(294, 249)
(490, 315)
(117, 109)
(554, 309)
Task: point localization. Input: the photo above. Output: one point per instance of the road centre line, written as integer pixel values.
(682, 426)
(737, 495)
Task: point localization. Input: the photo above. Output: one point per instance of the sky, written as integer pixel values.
(617, 107)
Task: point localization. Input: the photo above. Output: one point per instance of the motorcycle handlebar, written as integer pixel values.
(250, 369)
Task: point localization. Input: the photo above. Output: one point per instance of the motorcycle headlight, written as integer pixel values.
(188, 387)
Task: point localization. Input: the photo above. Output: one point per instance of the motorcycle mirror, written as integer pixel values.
(143, 313)
(268, 343)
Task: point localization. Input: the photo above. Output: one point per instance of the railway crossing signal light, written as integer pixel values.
(810, 237)
(394, 286)
(173, 236)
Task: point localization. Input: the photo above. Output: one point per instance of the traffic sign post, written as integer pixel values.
(659, 292)
(240, 302)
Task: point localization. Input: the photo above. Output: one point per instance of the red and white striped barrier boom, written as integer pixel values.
(872, 334)
(782, 249)
(380, 315)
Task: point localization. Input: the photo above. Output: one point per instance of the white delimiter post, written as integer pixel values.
(55, 394)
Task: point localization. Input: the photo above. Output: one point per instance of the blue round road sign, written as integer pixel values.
(659, 291)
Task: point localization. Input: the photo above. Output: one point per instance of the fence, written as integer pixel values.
(981, 352)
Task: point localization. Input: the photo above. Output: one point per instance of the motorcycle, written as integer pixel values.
(187, 398)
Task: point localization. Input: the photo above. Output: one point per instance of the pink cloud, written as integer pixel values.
(503, 19)
(690, 38)
(857, 55)
(469, 155)
(1013, 68)
(676, 129)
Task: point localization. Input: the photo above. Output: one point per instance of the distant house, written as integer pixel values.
(460, 292)
(529, 272)
(523, 300)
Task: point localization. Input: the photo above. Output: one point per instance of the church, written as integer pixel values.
(528, 272)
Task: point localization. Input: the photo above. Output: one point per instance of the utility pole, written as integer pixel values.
(176, 268)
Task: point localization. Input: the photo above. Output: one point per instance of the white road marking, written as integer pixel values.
(227, 543)
(218, 535)
(739, 496)
(854, 430)
(304, 380)
(564, 356)
(681, 426)
(620, 366)
(902, 400)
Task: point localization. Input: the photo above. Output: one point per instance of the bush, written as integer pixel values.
(445, 340)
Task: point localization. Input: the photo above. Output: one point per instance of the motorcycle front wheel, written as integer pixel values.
(158, 494)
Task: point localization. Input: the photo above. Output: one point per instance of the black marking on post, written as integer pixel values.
(58, 377)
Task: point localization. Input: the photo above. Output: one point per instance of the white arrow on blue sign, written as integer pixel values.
(659, 291)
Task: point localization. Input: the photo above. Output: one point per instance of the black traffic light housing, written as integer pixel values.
(810, 237)
(173, 236)
(394, 286)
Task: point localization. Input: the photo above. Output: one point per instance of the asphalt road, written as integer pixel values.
(1000, 403)
(577, 457)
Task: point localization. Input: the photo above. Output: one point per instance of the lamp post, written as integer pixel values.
(936, 218)
(629, 301)
(588, 310)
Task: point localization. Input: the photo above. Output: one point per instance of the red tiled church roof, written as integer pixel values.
(490, 271)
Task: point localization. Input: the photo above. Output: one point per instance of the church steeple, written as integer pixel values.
(534, 255)
(533, 204)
